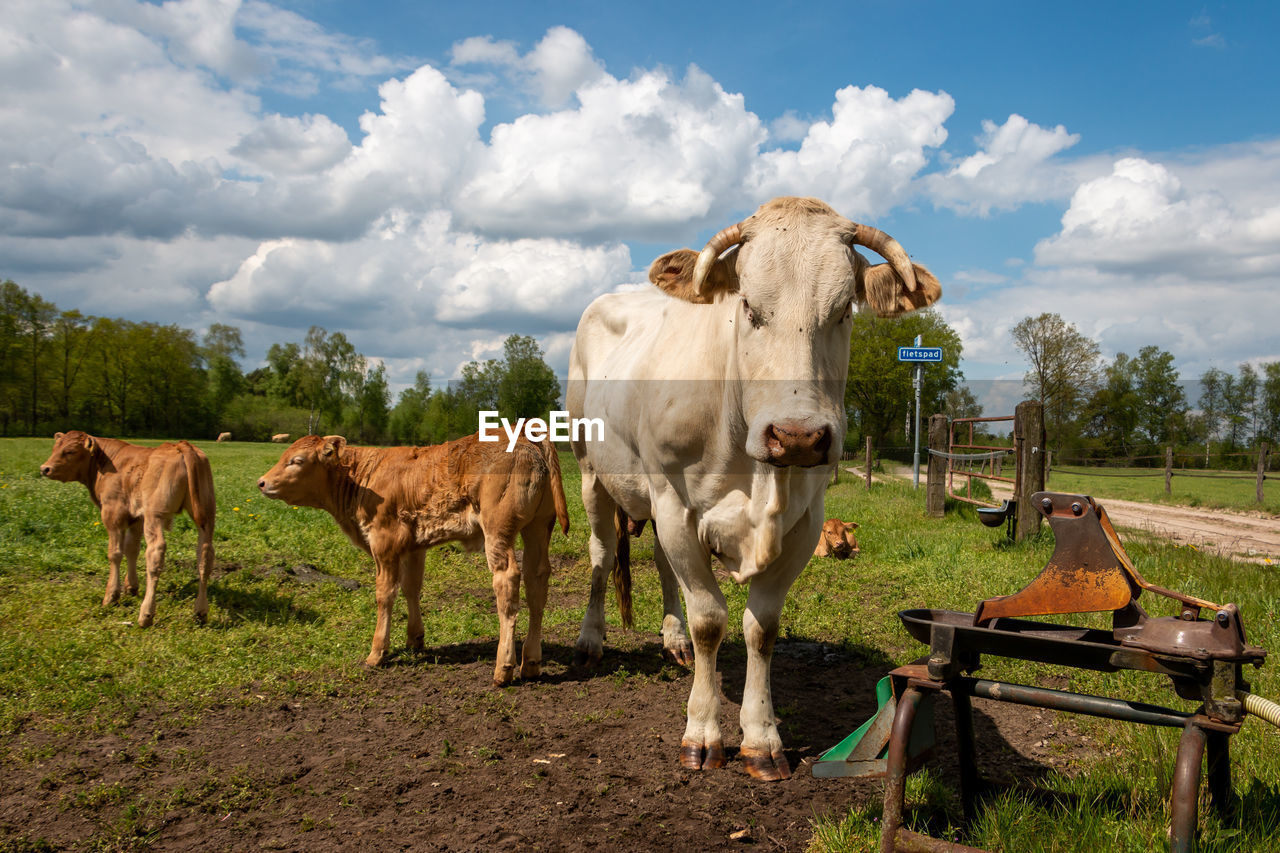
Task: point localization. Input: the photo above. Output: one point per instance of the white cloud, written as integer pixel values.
(1012, 167)
(554, 70)
(863, 160)
(644, 156)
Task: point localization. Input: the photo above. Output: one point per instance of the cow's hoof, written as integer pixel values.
(587, 658)
(530, 670)
(503, 675)
(110, 599)
(680, 654)
(202, 618)
(375, 661)
(416, 644)
(695, 756)
(765, 766)
(145, 620)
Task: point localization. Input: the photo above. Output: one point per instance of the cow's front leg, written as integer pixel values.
(411, 568)
(761, 744)
(702, 747)
(132, 544)
(506, 591)
(602, 547)
(386, 582)
(116, 532)
(153, 527)
(675, 639)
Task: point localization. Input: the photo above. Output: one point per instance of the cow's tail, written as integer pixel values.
(199, 486)
(557, 485)
(622, 567)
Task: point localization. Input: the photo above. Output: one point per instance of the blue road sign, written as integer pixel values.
(919, 353)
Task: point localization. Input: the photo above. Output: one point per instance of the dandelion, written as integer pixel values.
(235, 509)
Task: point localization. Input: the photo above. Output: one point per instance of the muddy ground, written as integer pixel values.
(426, 755)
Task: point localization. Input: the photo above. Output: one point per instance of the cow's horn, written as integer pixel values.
(886, 247)
(730, 236)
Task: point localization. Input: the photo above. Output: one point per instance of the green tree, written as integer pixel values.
(527, 387)
(1212, 405)
(1269, 402)
(373, 403)
(1064, 369)
(1113, 412)
(72, 341)
(408, 421)
(1239, 395)
(221, 347)
(1162, 404)
(879, 393)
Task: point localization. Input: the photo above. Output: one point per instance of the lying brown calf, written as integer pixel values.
(139, 490)
(396, 502)
(837, 539)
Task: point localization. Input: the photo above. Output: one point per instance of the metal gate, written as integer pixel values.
(988, 458)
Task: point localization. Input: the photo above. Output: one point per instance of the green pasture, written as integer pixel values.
(1215, 489)
(68, 663)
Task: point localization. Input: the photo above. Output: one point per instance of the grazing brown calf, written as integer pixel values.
(280, 437)
(224, 436)
(396, 502)
(837, 539)
(139, 490)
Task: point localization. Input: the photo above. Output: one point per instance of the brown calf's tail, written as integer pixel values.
(557, 487)
(204, 506)
(622, 568)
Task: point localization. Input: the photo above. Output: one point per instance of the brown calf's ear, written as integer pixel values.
(332, 444)
(58, 435)
(88, 443)
(673, 273)
(887, 294)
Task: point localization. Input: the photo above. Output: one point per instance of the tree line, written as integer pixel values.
(1134, 407)
(63, 369)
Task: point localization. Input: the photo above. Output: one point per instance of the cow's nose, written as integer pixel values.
(795, 443)
(45, 469)
(262, 484)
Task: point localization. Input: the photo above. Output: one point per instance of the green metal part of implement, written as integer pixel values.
(864, 753)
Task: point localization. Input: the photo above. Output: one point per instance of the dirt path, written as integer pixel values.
(1245, 535)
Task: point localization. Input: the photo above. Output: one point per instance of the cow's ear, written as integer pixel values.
(333, 444)
(88, 443)
(58, 435)
(673, 273)
(881, 288)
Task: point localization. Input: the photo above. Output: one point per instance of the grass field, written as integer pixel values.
(66, 662)
(1236, 490)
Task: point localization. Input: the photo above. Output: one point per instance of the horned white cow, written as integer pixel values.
(723, 404)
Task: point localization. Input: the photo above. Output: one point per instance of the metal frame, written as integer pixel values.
(954, 446)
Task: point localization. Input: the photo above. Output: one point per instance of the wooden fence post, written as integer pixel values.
(1168, 470)
(1262, 468)
(1029, 441)
(936, 484)
(867, 467)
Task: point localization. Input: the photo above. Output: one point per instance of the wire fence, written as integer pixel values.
(1261, 462)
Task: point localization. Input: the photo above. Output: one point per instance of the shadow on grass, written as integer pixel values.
(259, 605)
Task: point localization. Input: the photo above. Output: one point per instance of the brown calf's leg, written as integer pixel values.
(506, 591)
(411, 566)
(132, 542)
(153, 528)
(385, 585)
(115, 551)
(537, 574)
(204, 566)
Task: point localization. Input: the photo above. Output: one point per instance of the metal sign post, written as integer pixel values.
(919, 355)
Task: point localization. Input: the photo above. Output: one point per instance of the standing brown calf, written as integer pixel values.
(396, 502)
(139, 490)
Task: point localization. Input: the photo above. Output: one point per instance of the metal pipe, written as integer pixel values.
(1186, 787)
(895, 777)
(1075, 703)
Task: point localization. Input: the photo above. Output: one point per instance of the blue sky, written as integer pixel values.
(428, 178)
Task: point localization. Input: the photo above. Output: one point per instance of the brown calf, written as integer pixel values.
(139, 490)
(280, 437)
(224, 436)
(396, 502)
(837, 539)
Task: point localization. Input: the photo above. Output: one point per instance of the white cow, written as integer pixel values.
(723, 404)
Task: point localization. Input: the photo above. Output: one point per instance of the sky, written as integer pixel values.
(429, 178)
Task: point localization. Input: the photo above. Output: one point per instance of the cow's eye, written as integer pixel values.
(848, 312)
(753, 318)
(297, 460)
